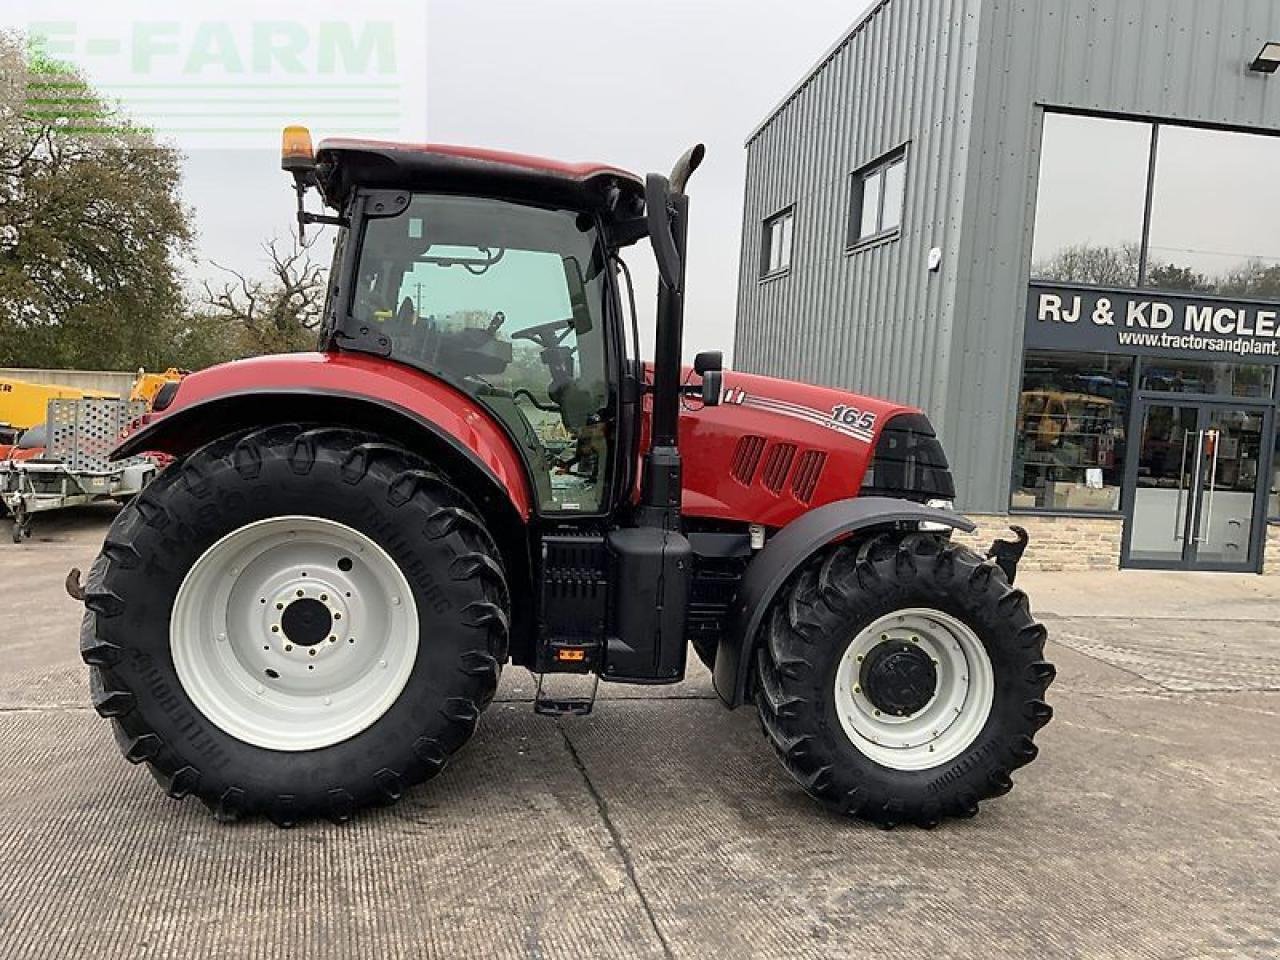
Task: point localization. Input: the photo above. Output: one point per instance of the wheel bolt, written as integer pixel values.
(857, 688)
(333, 639)
(312, 651)
(324, 597)
(288, 648)
(279, 606)
(299, 593)
(337, 616)
(275, 628)
(877, 713)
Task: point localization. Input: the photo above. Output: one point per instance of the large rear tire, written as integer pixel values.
(902, 680)
(295, 622)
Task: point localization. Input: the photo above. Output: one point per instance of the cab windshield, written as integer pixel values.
(505, 302)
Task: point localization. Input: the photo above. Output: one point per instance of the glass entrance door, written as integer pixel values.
(1196, 500)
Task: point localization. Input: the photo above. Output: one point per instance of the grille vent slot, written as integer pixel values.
(777, 465)
(746, 457)
(808, 471)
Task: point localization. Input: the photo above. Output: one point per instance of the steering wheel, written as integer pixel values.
(545, 335)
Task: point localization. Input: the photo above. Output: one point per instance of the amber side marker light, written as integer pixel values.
(571, 656)
(296, 153)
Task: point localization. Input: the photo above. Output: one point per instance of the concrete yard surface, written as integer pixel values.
(662, 826)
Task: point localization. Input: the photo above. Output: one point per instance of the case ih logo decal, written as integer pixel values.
(850, 421)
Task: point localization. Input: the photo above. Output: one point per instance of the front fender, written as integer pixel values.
(783, 555)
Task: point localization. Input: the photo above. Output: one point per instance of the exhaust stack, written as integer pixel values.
(667, 211)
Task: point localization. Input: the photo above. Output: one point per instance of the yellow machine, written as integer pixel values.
(148, 384)
(24, 405)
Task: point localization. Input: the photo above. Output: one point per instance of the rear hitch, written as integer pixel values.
(1007, 553)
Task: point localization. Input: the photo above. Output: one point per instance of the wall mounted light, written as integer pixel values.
(1268, 61)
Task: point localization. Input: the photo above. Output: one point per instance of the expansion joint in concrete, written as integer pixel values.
(602, 806)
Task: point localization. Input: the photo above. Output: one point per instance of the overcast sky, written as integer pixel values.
(632, 82)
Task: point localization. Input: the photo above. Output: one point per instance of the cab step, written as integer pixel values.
(559, 703)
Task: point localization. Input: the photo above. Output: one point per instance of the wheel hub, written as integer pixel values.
(913, 688)
(294, 633)
(306, 622)
(898, 678)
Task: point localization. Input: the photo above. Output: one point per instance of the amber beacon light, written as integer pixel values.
(296, 152)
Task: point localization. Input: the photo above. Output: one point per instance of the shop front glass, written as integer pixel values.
(1152, 337)
(1196, 491)
(1069, 448)
(1208, 377)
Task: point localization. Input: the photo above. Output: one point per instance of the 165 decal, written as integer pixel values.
(847, 416)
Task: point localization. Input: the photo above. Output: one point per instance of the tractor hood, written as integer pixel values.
(774, 449)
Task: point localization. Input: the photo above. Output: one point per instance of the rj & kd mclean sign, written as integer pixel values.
(1076, 318)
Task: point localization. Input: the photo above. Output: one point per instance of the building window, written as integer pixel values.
(1091, 200)
(878, 193)
(776, 251)
(1070, 434)
(1206, 376)
(1129, 204)
(1215, 211)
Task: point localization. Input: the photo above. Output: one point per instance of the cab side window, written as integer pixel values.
(501, 301)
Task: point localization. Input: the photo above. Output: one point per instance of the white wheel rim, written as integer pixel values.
(231, 643)
(949, 722)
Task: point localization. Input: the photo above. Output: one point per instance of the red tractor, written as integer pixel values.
(308, 611)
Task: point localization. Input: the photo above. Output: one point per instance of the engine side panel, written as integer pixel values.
(774, 450)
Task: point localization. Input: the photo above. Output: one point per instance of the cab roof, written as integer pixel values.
(344, 164)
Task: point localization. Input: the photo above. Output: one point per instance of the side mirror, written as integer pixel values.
(708, 361)
(712, 387)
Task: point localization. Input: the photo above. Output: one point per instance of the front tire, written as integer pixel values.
(902, 680)
(295, 622)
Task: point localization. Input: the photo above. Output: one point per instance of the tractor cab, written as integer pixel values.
(497, 273)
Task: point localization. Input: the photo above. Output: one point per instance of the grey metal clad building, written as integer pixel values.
(1055, 225)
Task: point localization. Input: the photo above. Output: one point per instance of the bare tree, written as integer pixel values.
(273, 314)
(1112, 266)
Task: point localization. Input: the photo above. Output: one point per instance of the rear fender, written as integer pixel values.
(419, 410)
(783, 555)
